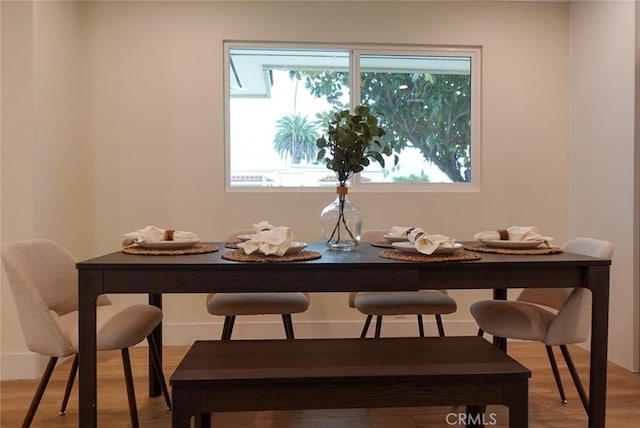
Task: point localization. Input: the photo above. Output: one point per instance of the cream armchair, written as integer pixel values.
(553, 316)
(436, 302)
(231, 305)
(44, 283)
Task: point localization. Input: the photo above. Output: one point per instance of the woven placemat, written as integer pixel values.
(419, 257)
(231, 245)
(240, 256)
(531, 251)
(382, 244)
(199, 248)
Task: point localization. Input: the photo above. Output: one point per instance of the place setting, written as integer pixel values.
(415, 244)
(269, 243)
(516, 240)
(156, 241)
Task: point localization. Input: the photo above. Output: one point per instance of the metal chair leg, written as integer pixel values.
(35, 402)
(227, 328)
(157, 368)
(70, 381)
(575, 377)
(556, 373)
(420, 326)
(365, 329)
(128, 377)
(288, 326)
(440, 325)
(378, 325)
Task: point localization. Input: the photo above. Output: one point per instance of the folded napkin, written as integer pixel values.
(427, 244)
(263, 225)
(276, 240)
(514, 233)
(153, 234)
(399, 231)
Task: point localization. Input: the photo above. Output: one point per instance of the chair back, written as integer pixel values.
(373, 235)
(43, 279)
(571, 324)
(556, 297)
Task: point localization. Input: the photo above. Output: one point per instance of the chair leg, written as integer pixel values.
(157, 367)
(420, 326)
(227, 329)
(288, 326)
(378, 325)
(128, 378)
(365, 329)
(480, 332)
(440, 325)
(35, 402)
(556, 374)
(70, 380)
(575, 377)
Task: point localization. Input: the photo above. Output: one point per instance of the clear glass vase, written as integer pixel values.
(341, 223)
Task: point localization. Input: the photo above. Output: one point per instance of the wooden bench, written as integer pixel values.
(242, 375)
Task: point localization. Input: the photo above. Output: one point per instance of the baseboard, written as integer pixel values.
(31, 366)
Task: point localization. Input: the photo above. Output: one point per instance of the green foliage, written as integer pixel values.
(296, 137)
(413, 178)
(352, 142)
(432, 113)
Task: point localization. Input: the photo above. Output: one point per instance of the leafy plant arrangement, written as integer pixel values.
(352, 141)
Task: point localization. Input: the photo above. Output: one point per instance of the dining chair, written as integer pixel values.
(422, 302)
(231, 305)
(553, 316)
(44, 283)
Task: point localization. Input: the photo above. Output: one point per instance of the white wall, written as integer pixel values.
(603, 189)
(140, 140)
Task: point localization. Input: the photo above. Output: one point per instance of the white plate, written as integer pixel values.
(244, 237)
(409, 247)
(294, 248)
(168, 245)
(390, 238)
(521, 245)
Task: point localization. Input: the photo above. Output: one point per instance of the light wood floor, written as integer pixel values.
(545, 409)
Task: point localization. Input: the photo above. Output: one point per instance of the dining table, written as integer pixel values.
(362, 269)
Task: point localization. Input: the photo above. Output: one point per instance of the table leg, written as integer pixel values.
(500, 294)
(155, 390)
(90, 286)
(598, 283)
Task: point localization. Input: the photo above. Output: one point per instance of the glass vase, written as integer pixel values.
(341, 223)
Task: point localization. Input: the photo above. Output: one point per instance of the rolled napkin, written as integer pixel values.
(276, 241)
(514, 233)
(155, 234)
(427, 244)
(400, 231)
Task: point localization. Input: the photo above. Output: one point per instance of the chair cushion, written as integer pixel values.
(515, 320)
(401, 303)
(256, 303)
(117, 326)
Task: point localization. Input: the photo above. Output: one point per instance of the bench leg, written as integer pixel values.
(204, 421)
(185, 405)
(517, 400)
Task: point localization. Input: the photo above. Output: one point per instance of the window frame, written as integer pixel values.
(355, 50)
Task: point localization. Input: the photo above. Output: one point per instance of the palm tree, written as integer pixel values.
(296, 137)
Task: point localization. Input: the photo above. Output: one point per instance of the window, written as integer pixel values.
(280, 97)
